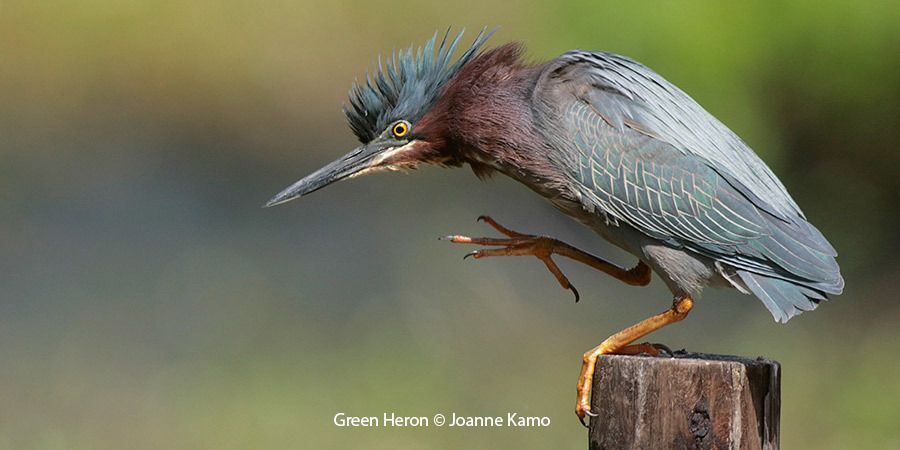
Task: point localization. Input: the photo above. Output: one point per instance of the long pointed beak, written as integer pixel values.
(351, 163)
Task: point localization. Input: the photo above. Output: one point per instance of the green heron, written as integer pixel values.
(610, 143)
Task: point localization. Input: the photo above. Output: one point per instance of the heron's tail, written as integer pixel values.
(783, 298)
(801, 270)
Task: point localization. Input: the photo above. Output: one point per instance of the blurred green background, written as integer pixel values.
(149, 302)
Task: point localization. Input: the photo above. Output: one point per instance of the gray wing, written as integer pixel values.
(628, 94)
(645, 154)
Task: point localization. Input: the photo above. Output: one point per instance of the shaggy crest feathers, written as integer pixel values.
(406, 86)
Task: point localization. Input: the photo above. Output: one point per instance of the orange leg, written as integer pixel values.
(542, 247)
(619, 343)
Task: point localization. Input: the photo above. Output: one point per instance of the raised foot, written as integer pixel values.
(520, 244)
(542, 247)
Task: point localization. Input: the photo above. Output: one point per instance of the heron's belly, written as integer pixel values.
(683, 271)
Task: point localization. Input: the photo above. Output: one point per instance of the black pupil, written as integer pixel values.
(400, 129)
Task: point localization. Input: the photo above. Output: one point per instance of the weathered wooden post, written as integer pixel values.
(690, 400)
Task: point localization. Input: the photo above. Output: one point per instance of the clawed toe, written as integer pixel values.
(662, 348)
(583, 411)
(581, 419)
(575, 291)
(516, 244)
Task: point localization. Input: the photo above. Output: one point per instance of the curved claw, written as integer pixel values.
(585, 413)
(663, 348)
(483, 218)
(575, 291)
(473, 254)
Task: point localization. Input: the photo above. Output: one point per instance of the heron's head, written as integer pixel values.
(384, 111)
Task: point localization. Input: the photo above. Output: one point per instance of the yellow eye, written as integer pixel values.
(400, 129)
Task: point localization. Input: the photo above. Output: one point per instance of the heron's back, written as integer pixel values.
(641, 153)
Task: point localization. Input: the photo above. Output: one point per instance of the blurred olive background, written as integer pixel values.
(149, 302)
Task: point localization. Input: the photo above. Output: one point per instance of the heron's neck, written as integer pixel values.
(484, 117)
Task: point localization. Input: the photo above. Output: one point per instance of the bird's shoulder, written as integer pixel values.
(630, 96)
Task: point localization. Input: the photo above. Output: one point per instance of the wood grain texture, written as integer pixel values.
(689, 401)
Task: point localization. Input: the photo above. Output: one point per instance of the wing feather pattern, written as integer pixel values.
(645, 154)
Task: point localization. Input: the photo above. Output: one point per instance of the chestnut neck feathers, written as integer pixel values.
(484, 117)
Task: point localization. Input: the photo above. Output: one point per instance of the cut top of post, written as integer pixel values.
(689, 400)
